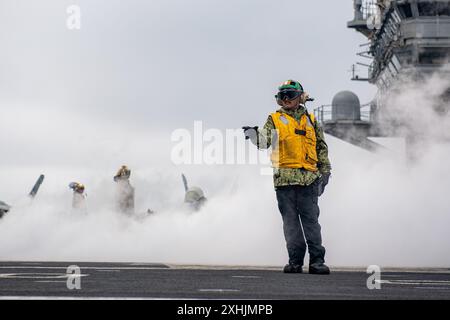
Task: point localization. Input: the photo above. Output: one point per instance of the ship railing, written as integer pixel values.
(365, 112)
(324, 113)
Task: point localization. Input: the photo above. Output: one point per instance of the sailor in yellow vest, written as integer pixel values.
(301, 172)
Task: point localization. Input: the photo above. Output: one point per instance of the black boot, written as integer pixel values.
(293, 268)
(319, 268)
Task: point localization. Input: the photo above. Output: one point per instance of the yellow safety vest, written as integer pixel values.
(296, 143)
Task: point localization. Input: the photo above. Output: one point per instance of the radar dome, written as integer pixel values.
(346, 106)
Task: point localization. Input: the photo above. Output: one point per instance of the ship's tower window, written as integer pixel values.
(435, 8)
(427, 9)
(434, 55)
(406, 10)
(443, 9)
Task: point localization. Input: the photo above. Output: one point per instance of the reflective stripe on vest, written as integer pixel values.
(295, 146)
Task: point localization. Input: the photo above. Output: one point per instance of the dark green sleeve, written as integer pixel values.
(264, 138)
(322, 150)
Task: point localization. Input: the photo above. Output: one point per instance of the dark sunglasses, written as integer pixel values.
(288, 95)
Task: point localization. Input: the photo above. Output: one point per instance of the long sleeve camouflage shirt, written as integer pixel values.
(294, 176)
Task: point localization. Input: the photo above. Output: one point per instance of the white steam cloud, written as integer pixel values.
(378, 208)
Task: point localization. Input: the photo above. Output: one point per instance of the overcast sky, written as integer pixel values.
(138, 70)
(163, 64)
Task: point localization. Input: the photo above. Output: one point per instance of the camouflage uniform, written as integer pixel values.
(297, 196)
(290, 176)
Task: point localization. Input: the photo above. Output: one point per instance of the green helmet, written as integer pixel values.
(194, 194)
(290, 84)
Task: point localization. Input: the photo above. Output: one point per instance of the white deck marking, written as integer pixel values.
(28, 275)
(93, 268)
(416, 282)
(219, 290)
(432, 288)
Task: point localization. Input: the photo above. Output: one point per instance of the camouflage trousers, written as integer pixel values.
(300, 212)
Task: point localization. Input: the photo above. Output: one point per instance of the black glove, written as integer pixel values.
(323, 183)
(250, 132)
